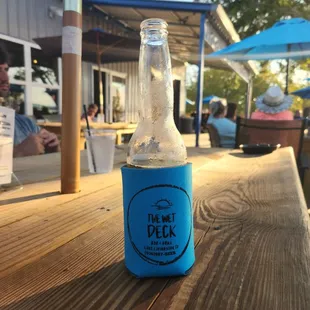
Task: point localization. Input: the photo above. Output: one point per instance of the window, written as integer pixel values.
(17, 98)
(44, 101)
(34, 78)
(44, 68)
(16, 60)
(114, 94)
(45, 86)
(16, 75)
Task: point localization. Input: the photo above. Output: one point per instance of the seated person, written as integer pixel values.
(297, 115)
(91, 113)
(231, 111)
(29, 139)
(225, 127)
(273, 105)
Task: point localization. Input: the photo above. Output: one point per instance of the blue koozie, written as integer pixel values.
(158, 220)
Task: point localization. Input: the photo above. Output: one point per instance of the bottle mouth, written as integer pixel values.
(154, 24)
(154, 31)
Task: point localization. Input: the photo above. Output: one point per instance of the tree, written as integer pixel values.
(229, 85)
(250, 16)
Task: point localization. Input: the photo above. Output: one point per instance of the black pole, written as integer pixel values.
(287, 75)
(200, 76)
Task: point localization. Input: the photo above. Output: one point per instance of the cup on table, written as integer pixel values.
(100, 145)
(100, 118)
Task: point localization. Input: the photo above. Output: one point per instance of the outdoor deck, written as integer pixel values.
(251, 239)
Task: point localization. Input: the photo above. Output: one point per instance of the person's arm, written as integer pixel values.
(50, 141)
(32, 145)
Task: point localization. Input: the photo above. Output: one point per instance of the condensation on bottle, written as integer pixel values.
(156, 141)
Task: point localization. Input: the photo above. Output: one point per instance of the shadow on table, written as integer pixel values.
(108, 288)
(27, 198)
(242, 155)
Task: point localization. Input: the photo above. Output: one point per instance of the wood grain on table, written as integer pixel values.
(306, 183)
(251, 242)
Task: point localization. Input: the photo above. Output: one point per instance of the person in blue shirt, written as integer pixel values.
(29, 139)
(225, 127)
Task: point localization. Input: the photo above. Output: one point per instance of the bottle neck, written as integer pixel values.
(155, 77)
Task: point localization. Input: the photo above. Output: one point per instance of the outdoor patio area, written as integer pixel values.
(154, 155)
(66, 251)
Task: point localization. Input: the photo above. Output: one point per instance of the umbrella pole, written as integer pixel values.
(287, 75)
(249, 98)
(99, 76)
(71, 96)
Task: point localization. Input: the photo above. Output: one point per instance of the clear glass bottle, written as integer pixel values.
(156, 141)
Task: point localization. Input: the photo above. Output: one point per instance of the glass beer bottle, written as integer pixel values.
(156, 141)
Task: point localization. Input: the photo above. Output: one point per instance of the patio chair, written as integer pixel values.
(214, 136)
(286, 133)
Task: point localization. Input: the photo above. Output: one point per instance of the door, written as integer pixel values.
(96, 91)
(117, 98)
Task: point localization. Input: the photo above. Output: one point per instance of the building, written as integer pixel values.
(36, 78)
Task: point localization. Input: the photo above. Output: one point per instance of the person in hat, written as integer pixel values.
(225, 127)
(273, 105)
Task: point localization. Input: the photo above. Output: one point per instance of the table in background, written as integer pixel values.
(252, 241)
(120, 128)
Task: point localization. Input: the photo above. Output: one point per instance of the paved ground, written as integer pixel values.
(190, 139)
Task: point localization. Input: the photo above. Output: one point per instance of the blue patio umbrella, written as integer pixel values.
(302, 93)
(286, 39)
(209, 98)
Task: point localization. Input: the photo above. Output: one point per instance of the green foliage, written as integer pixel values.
(229, 85)
(250, 16)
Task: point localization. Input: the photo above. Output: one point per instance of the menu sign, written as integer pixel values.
(7, 122)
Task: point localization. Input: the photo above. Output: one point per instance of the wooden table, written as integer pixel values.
(306, 185)
(251, 235)
(120, 128)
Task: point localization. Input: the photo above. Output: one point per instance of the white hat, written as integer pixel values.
(273, 101)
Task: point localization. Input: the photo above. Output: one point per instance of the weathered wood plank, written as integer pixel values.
(252, 250)
(34, 236)
(88, 272)
(32, 228)
(257, 256)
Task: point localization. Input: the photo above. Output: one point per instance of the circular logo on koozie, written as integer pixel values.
(159, 223)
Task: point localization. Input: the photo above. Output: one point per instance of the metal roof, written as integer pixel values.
(184, 27)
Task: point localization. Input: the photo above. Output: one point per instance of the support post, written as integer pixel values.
(200, 76)
(71, 96)
(287, 76)
(249, 98)
(28, 80)
(99, 75)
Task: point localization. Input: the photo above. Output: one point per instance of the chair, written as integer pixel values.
(286, 133)
(214, 136)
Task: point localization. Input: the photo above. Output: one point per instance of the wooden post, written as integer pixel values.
(71, 96)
